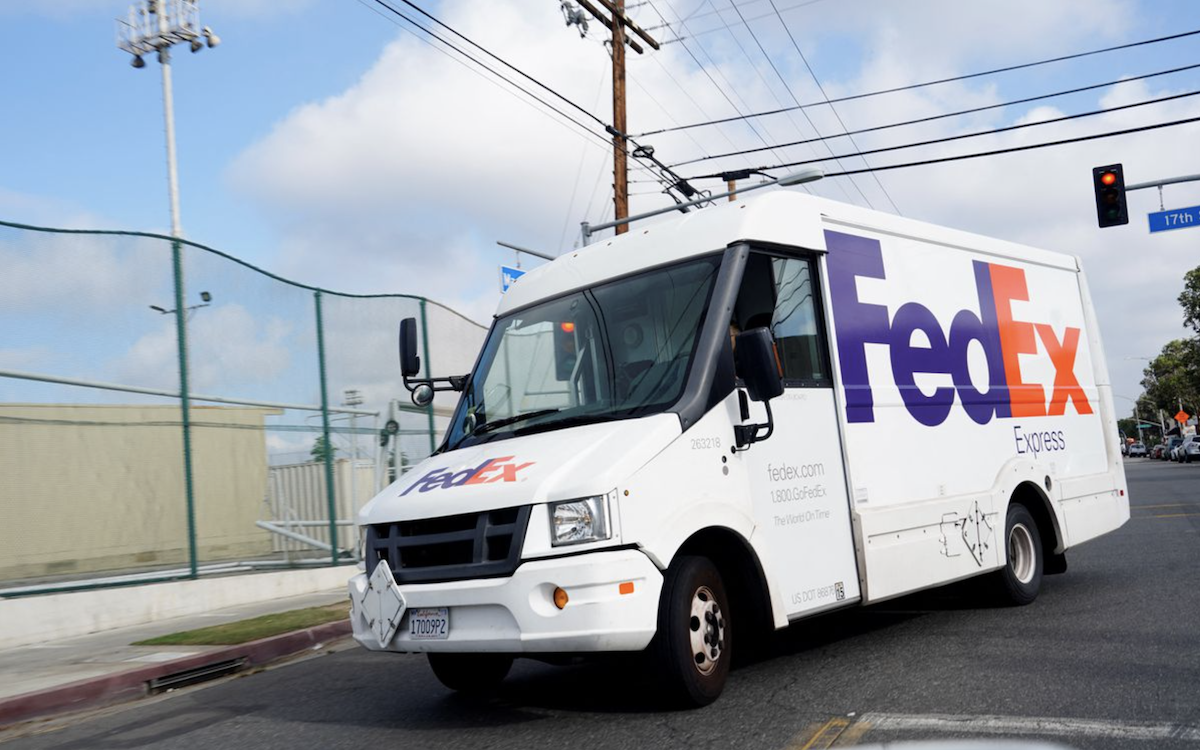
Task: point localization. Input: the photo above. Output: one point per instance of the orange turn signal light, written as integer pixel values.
(626, 588)
(560, 598)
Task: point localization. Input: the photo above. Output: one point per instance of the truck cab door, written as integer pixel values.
(797, 480)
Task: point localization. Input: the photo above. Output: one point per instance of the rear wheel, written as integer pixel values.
(470, 673)
(691, 651)
(1018, 582)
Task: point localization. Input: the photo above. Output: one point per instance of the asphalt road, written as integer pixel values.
(1107, 657)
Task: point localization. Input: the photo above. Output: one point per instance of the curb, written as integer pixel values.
(135, 683)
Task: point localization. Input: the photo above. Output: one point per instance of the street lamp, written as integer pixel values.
(154, 26)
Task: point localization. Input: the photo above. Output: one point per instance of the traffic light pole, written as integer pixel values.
(1160, 183)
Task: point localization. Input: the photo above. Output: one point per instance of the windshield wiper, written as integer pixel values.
(498, 423)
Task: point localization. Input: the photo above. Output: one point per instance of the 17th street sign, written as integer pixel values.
(1176, 218)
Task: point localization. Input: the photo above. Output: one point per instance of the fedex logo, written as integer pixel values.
(490, 471)
(1002, 337)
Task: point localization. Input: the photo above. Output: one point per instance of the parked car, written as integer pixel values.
(1169, 450)
(1137, 449)
(1157, 451)
(1188, 450)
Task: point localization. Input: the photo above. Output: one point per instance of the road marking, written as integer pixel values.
(1168, 505)
(1034, 725)
(1173, 515)
(819, 736)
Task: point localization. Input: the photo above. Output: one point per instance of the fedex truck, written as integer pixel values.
(695, 432)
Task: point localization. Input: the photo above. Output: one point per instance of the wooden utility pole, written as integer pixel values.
(620, 157)
(617, 24)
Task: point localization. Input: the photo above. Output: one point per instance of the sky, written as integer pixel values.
(329, 142)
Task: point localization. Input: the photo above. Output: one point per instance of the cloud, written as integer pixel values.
(231, 352)
(67, 10)
(403, 181)
(56, 273)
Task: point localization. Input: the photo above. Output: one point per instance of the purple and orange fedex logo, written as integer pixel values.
(1002, 337)
(493, 470)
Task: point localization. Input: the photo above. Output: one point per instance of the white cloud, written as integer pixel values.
(403, 181)
(231, 352)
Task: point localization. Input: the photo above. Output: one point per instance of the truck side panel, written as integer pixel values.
(963, 373)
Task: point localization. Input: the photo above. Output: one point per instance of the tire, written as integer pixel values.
(1018, 582)
(471, 673)
(691, 652)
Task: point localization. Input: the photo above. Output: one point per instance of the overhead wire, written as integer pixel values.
(981, 133)
(792, 94)
(496, 73)
(925, 84)
(768, 86)
(692, 16)
(705, 70)
(832, 108)
(1026, 147)
(957, 113)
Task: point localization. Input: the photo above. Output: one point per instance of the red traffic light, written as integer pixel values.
(1108, 178)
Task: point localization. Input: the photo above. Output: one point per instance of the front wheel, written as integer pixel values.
(691, 651)
(470, 673)
(1018, 582)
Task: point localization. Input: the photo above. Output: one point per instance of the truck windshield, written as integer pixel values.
(617, 350)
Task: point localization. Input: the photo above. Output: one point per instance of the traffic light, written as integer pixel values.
(1109, 184)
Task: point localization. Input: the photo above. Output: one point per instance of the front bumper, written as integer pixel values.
(517, 614)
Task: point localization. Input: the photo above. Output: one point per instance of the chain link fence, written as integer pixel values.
(169, 411)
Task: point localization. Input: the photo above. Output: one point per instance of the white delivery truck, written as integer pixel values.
(736, 418)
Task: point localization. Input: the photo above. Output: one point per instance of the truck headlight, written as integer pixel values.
(578, 521)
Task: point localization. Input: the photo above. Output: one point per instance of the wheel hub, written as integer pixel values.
(707, 630)
(1021, 554)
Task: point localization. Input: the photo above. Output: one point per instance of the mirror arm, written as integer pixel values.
(452, 383)
(745, 435)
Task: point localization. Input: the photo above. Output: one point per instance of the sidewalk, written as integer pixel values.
(102, 668)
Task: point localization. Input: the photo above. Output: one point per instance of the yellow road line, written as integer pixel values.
(1168, 505)
(1173, 515)
(819, 737)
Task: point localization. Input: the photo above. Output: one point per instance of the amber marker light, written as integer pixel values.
(560, 598)
(626, 588)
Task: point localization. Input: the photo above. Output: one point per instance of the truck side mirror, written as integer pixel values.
(410, 363)
(757, 364)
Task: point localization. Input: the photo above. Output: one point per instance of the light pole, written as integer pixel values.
(154, 26)
(352, 397)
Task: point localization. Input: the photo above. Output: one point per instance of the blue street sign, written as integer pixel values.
(509, 276)
(1176, 218)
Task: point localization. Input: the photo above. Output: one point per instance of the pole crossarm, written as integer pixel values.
(1160, 183)
(619, 14)
(608, 24)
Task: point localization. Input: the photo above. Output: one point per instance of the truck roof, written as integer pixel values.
(780, 217)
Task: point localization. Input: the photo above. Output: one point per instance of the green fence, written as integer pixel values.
(169, 411)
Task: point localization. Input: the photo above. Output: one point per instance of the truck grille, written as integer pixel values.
(471, 545)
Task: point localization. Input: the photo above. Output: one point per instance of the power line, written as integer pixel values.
(602, 139)
(694, 16)
(959, 113)
(792, 94)
(482, 49)
(1028, 147)
(499, 75)
(706, 73)
(770, 89)
(832, 108)
(926, 84)
(977, 134)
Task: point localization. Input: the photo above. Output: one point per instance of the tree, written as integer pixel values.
(321, 450)
(1190, 299)
(1174, 376)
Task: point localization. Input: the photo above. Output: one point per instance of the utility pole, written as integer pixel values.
(620, 157)
(616, 24)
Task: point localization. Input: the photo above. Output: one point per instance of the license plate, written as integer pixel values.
(429, 624)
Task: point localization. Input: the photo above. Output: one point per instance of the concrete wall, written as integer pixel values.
(94, 488)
